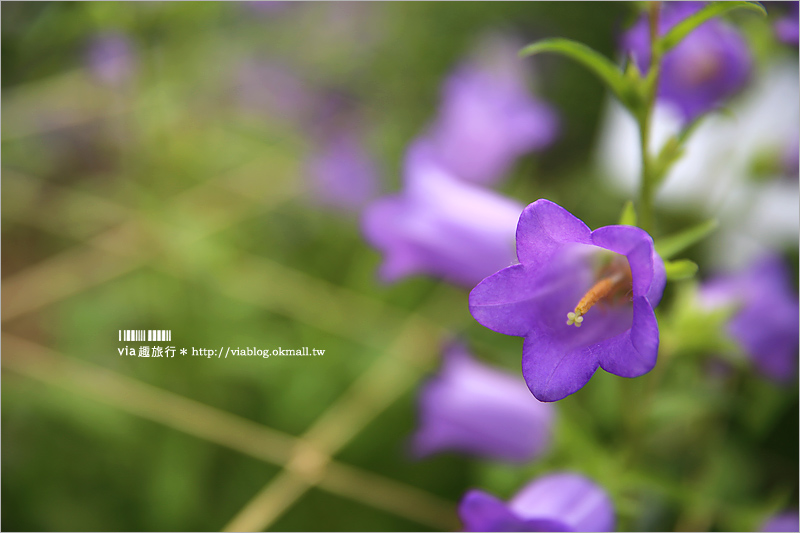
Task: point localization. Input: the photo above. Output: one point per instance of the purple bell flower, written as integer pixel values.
(441, 226)
(786, 521)
(581, 299)
(472, 408)
(557, 502)
(711, 64)
(767, 317)
(486, 121)
(342, 174)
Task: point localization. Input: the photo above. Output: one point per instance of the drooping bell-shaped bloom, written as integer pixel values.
(341, 172)
(702, 71)
(786, 521)
(581, 299)
(441, 226)
(111, 59)
(487, 119)
(562, 501)
(767, 315)
(473, 408)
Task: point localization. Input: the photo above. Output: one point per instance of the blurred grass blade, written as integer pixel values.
(689, 24)
(680, 269)
(669, 246)
(628, 216)
(603, 67)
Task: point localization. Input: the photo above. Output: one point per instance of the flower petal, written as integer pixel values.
(480, 511)
(543, 227)
(500, 302)
(633, 352)
(635, 244)
(553, 371)
(569, 498)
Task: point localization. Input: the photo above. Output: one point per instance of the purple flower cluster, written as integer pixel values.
(711, 64)
(557, 502)
(472, 408)
(566, 271)
(766, 320)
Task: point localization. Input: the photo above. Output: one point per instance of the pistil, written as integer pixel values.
(618, 281)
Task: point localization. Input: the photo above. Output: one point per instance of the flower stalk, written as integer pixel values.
(649, 179)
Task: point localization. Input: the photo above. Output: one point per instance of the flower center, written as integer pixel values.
(616, 281)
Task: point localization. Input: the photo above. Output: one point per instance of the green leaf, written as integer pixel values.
(680, 269)
(689, 24)
(601, 66)
(628, 216)
(669, 246)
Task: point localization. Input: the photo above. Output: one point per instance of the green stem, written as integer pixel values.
(647, 190)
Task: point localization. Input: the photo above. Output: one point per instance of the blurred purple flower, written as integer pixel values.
(786, 521)
(110, 58)
(341, 172)
(486, 121)
(711, 64)
(767, 316)
(441, 226)
(565, 270)
(787, 28)
(472, 408)
(556, 502)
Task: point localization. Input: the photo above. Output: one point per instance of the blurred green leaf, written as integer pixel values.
(680, 269)
(686, 26)
(669, 246)
(604, 68)
(628, 216)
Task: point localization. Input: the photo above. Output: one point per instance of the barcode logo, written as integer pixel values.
(141, 335)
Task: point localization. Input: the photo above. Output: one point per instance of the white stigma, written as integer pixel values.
(574, 318)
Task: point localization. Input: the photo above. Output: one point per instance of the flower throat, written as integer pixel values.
(615, 281)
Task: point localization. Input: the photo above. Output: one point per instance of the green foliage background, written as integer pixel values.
(722, 456)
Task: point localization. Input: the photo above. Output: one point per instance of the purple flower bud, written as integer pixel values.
(708, 66)
(786, 521)
(557, 502)
(110, 59)
(566, 271)
(441, 226)
(472, 408)
(766, 321)
(487, 120)
(341, 172)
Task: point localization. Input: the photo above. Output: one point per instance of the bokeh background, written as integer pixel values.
(157, 174)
